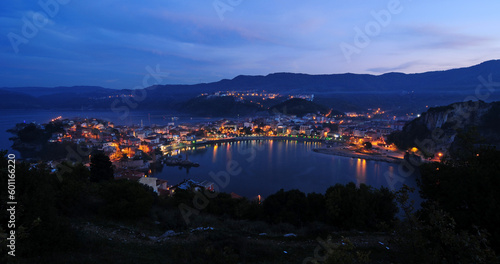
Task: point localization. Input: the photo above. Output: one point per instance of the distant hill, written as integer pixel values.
(14, 100)
(345, 92)
(218, 106)
(449, 127)
(299, 107)
(81, 90)
(437, 81)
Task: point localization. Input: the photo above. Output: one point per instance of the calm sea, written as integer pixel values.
(251, 168)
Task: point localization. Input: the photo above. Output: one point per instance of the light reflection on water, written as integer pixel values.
(276, 164)
(267, 166)
(361, 171)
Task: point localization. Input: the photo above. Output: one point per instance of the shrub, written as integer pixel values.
(126, 199)
(361, 208)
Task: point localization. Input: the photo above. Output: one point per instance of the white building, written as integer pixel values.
(149, 181)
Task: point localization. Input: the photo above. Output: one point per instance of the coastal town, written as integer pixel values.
(135, 150)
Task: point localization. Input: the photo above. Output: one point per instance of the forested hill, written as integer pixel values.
(301, 107)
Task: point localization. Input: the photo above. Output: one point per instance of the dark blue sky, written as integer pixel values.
(110, 43)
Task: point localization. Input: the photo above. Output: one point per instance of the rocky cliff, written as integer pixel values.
(437, 129)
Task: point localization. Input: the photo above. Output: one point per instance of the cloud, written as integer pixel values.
(95, 42)
(400, 67)
(436, 37)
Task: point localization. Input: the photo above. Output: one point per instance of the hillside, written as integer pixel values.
(16, 100)
(448, 127)
(299, 107)
(218, 106)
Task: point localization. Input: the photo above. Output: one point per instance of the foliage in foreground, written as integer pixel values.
(441, 232)
(432, 236)
(51, 203)
(468, 189)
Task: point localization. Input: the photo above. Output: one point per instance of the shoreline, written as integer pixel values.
(335, 151)
(350, 154)
(235, 139)
(238, 139)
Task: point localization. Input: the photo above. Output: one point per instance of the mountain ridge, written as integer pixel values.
(478, 69)
(407, 92)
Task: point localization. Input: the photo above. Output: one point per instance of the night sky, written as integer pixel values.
(110, 43)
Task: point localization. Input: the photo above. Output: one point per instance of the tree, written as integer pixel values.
(126, 199)
(367, 145)
(74, 191)
(466, 189)
(32, 134)
(40, 228)
(101, 168)
(289, 206)
(366, 208)
(54, 127)
(316, 207)
(431, 236)
(124, 157)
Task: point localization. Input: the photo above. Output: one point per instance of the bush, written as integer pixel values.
(126, 199)
(431, 236)
(101, 168)
(169, 218)
(40, 227)
(468, 190)
(286, 207)
(349, 207)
